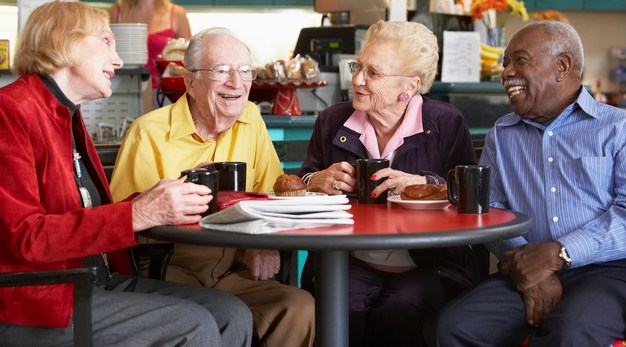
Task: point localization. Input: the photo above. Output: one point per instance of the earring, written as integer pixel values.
(403, 97)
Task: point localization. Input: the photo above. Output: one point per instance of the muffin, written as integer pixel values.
(289, 185)
(425, 192)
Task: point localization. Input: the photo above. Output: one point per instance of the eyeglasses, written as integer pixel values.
(370, 73)
(222, 73)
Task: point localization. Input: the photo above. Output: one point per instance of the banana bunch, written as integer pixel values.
(490, 62)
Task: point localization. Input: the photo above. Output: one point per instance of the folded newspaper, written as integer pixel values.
(267, 216)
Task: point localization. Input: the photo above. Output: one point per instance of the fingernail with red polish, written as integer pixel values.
(372, 196)
(373, 178)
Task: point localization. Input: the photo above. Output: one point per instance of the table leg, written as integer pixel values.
(331, 298)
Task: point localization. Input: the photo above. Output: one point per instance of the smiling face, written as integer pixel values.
(96, 61)
(380, 95)
(220, 102)
(531, 75)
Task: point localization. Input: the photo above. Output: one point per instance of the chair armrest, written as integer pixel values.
(83, 280)
(80, 276)
(152, 258)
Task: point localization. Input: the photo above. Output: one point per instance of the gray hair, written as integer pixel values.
(415, 44)
(196, 49)
(564, 39)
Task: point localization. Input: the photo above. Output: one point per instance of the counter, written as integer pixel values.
(481, 103)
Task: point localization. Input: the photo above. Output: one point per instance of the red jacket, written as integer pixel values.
(42, 223)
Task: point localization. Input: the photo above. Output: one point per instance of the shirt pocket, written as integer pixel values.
(593, 175)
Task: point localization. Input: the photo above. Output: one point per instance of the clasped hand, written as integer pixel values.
(341, 177)
(262, 263)
(532, 268)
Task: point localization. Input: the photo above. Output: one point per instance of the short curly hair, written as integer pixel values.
(48, 38)
(415, 44)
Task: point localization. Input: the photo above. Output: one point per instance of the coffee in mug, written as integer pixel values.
(209, 178)
(365, 168)
(468, 188)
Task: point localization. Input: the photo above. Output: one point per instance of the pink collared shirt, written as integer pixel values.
(411, 125)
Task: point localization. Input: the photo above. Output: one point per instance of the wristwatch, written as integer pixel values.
(565, 257)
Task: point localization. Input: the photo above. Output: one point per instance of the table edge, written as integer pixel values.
(520, 225)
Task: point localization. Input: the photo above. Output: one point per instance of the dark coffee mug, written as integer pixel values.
(365, 168)
(232, 174)
(468, 188)
(209, 178)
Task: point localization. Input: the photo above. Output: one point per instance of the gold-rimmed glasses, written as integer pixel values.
(370, 73)
(222, 73)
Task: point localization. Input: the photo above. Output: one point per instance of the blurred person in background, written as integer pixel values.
(56, 211)
(393, 293)
(165, 21)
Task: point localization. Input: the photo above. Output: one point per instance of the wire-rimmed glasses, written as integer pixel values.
(370, 72)
(222, 73)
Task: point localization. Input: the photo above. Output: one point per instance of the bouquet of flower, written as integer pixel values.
(485, 10)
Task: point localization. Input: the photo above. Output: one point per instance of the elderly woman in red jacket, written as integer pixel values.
(392, 293)
(56, 210)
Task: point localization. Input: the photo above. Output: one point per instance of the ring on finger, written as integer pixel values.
(337, 185)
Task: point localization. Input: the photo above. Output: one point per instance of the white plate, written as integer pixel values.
(419, 204)
(271, 195)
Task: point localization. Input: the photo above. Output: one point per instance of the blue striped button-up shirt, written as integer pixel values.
(569, 176)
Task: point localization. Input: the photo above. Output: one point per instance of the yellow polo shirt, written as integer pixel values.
(164, 142)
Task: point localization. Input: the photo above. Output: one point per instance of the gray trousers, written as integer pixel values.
(155, 313)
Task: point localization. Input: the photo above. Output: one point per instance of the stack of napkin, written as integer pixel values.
(266, 216)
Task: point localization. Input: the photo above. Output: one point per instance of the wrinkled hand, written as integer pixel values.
(170, 202)
(262, 263)
(339, 175)
(396, 181)
(541, 299)
(531, 263)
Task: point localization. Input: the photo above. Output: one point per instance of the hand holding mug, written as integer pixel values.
(170, 202)
(207, 178)
(368, 181)
(336, 179)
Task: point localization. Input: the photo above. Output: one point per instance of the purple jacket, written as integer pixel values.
(444, 143)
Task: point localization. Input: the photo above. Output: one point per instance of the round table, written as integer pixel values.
(382, 226)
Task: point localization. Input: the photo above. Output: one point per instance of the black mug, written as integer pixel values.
(209, 178)
(468, 188)
(365, 168)
(232, 174)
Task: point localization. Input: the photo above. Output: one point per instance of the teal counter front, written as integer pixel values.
(290, 135)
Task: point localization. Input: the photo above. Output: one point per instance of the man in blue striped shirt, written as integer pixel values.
(560, 157)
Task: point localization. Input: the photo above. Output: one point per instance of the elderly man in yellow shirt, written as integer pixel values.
(214, 121)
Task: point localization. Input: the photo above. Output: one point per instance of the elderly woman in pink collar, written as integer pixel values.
(392, 293)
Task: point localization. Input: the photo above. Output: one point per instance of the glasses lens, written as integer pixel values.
(247, 73)
(221, 72)
(354, 67)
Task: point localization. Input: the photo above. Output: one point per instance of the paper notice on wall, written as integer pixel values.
(461, 56)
